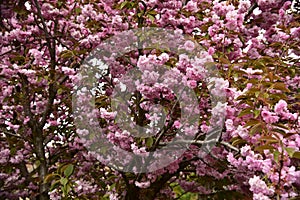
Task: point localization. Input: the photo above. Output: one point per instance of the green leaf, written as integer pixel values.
(64, 181)
(152, 12)
(20, 11)
(189, 196)
(105, 197)
(290, 151)
(149, 142)
(140, 14)
(60, 91)
(296, 155)
(78, 10)
(18, 58)
(276, 156)
(280, 86)
(277, 130)
(54, 185)
(264, 147)
(255, 129)
(151, 17)
(269, 139)
(66, 54)
(252, 122)
(281, 126)
(50, 177)
(63, 189)
(123, 4)
(112, 186)
(238, 141)
(59, 3)
(61, 168)
(224, 60)
(178, 190)
(69, 170)
(256, 113)
(245, 112)
(67, 188)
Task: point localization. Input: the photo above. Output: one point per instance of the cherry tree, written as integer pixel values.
(254, 46)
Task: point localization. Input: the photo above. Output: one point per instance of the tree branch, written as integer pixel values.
(199, 142)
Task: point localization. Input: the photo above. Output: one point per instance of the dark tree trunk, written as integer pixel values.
(135, 193)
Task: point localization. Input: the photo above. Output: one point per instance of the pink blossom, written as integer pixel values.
(290, 116)
(242, 132)
(269, 117)
(260, 196)
(192, 6)
(295, 32)
(164, 57)
(192, 83)
(259, 186)
(142, 184)
(113, 196)
(223, 28)
(107, 115)
(244, 6)
(177, 124)
(150, 77)
(68, 71)
(217, 86)
(211, 50)
(189, 45)
(246, 151)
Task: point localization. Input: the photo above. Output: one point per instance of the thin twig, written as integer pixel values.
(12, 134)
(199, 142)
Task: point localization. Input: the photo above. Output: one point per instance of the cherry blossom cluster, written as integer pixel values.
(252, 46)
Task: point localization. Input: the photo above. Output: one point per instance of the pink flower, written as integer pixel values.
(229, 125)
(142, 184)
(242, 132)
(280, 107)
(145, 63)
(204, 128)
(68, 71)
(107, 115)
(82, 132)
(260, 196)
(192, 83)
(150, 77)
(244, 5)
(189, 45)
(246, 151)
(290, 116)
(37, 55)
(17, 158)
(4, 154)
(177, 124)
(164, 57)
(211, 50)
(264, 4)
(191, 6)
(53, 123)
(259, 186)
(218, 86)
(233, 161)
(295, 32)
(269, 117)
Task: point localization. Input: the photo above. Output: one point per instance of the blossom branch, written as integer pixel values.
(199, 142)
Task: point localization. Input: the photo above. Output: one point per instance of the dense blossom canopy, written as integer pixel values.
(254, 44)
